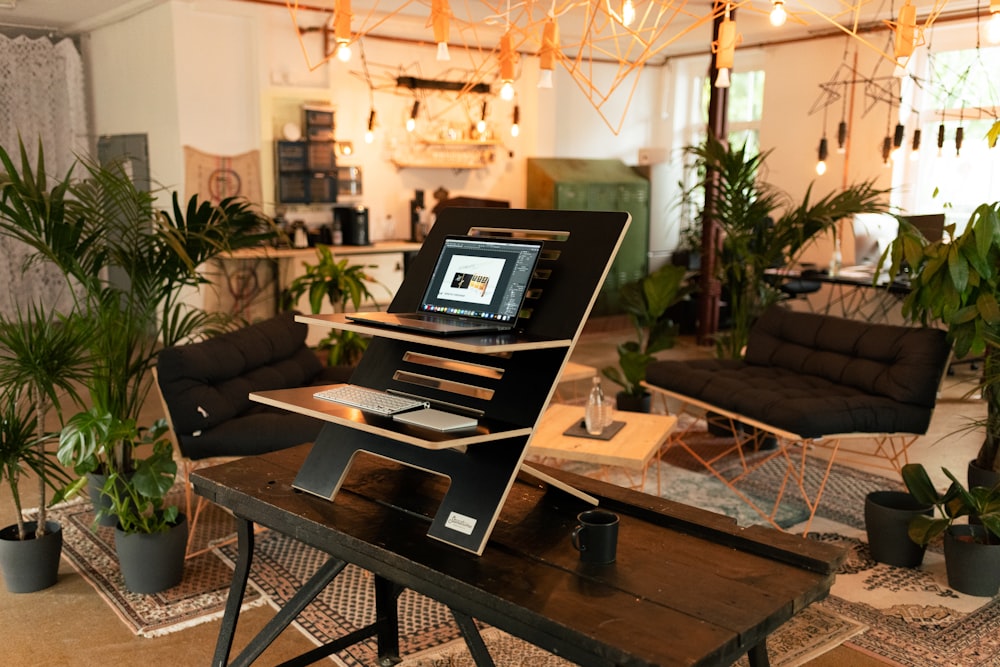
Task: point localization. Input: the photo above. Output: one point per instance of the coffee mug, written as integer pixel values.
(596, 538)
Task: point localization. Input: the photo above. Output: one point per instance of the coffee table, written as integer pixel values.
(632, 448)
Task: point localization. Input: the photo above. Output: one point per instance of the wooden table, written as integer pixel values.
(689, 586)
(632, 448)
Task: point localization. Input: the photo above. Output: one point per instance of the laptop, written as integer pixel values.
(478, 286)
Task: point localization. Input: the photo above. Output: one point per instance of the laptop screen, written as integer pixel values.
(484, 278)
(873, 232)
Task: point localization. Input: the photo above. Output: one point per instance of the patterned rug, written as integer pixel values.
(200, 597)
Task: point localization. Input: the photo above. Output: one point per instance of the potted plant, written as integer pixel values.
(957, 284)
(150, 536)
(339, 283)
(971, 551)
(127, 267)
(757, 236)
(646, 301)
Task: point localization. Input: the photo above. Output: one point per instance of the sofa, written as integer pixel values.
(205, 387)
(809, 381)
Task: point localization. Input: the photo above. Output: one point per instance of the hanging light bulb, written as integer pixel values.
(897, 140)
(441, 19)
(778, 13)
(823, 152)
(547, 52)
(628, 13)
(370, 132)
(411, 122)
(342, 29)
(959, 134)
(507, 66)
(842, 137)
(515, 128)
(993, 25)
(940, 141)
(886, 150)
(915, 148)
(481, 123)
(724, 49)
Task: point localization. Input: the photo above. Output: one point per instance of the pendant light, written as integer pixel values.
(548, 51)
(724, 49)
(441, 20)
(342, 29)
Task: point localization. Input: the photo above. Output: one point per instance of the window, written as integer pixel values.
(955, 88)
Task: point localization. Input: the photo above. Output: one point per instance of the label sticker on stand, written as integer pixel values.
(461, 523)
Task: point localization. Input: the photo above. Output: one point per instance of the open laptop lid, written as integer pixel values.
(483, 278)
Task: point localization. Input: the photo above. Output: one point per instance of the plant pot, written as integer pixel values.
(151, 563)
(631, 403)
(30, 565)
(973, 568)
(977, 476)
(887, 520)
(95, 482)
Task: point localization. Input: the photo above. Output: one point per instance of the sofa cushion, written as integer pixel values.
(816, 375)
(206, 386)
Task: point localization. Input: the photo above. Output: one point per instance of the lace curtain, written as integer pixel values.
(41, 97)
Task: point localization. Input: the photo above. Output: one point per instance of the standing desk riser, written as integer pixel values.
(505, 380)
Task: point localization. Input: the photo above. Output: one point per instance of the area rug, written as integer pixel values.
(200, 597)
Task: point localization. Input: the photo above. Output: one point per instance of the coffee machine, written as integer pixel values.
(353, 224)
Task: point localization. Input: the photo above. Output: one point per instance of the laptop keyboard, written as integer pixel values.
(444, 319)
(370, 400)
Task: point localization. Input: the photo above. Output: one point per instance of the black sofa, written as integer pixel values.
(205, 387)
(814, 375)
(808, 382)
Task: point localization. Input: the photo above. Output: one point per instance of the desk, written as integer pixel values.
(632, 448)
(853, 294)
(689, 586)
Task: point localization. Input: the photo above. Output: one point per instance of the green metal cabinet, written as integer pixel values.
(598, 185)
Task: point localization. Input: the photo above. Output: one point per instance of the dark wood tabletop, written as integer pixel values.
(689, 587)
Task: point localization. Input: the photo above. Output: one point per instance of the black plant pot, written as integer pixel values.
(30, 565)
(151, 563)
(95, 484)
(977, 476)
(631, 403)
(973, 568)
(887, 520)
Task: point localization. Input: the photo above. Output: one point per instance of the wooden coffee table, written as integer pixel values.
(632, 448)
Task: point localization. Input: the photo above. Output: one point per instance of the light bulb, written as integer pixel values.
(993, 28)
(369, 137)
(442, 53)
(545, 78)
(343, 52)
(507, 91)
(723, 79)
(821, 167)
(778, 14)
(481, 126)
(515, 130)
(628, 13)
(411, 124)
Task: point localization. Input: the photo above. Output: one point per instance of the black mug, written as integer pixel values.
(596, 538)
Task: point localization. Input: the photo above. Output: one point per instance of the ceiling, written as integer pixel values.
(805, 17)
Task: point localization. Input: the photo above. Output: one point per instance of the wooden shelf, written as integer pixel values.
(480, 344)
(446, 154)
(302, 401)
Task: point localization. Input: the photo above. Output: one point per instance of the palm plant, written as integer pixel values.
(756, 236)
(127, 266)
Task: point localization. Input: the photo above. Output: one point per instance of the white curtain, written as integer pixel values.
(41, 98)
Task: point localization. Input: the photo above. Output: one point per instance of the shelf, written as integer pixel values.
(480, 344)
(301, 401)
(445, 154)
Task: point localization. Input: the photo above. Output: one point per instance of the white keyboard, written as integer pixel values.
(370, 400)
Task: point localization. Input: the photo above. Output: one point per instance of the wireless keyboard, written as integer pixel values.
(370, 400)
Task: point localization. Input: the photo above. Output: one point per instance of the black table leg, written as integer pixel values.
(387, 620)
(757, 656)
(244, 554)
(474, 640)
(323, 576)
